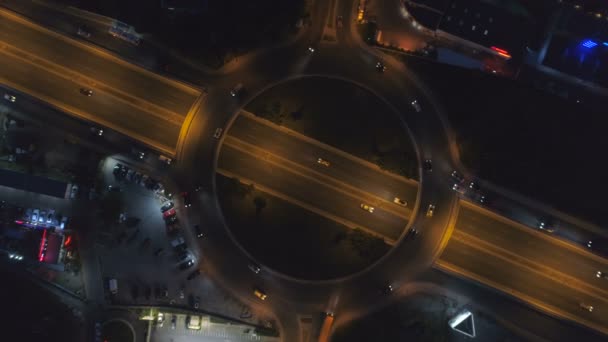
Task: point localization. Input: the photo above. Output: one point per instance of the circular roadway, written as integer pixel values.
(350, 59)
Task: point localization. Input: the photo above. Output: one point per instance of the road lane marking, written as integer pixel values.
(281, 162)
(306, 206)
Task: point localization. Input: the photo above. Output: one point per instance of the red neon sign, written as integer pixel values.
(41, 250)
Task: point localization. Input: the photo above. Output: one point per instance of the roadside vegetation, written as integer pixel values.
(350, 119)
(293, 240)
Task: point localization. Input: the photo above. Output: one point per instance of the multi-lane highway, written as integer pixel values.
(481, 244)
(125, 98)
(553, 275)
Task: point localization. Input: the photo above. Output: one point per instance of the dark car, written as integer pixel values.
(380, 67)
(412, 233)
(86, 91)
(186, 264)
(181, 254)
(166, 206)
(172, 220)
(199, 231)
(187, 199)
(193, 275)
(457, 176)
(428, 165)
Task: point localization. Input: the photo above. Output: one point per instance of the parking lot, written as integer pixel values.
(208, 331)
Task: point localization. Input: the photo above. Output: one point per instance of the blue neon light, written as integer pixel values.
(605, 43)
(589, 44)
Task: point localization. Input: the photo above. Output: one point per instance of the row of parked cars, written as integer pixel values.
(124, 173)
(47, 218)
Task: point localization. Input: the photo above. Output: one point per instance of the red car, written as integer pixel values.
(169, 213)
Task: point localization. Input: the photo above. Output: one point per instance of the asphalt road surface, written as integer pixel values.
(125, 97)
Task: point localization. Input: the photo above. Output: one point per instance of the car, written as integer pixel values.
(181, 255)
(428, 165)
(83, 32)
(86, 91)
(181, 293)
(51, 216)
(237, 90)
(547, 225)
(114, 188)
(10, 98)
(97, 131)
(481, 198)
(474, 186)
(259, 293)
(311, 50)
(589, 244)
(601, 274)
(197, 302)
(193, 275)
(412, 233)
(199, 231)
(74, 191)
(178, 243)
(63, 222)
(166, 206)
(255, 268)
(457, 176)
(35, 214)
(218, 133)
(339, 21)
(165, 292)
(160, 320)
(323, 162)
(416, 106)
(458, 188)
(186, 264)
(380, 67)
(42, 216)
(173, 322)
(587, 307)
(388, 289)
(171, 220)
(367, 207)
(430, 210)
(400, 201)
(187, 199)
(169, 213)
(165, 159)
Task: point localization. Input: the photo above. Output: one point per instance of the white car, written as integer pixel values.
(367, 207)
(10, 97)
(400, 201)
(218, 133)
(416, 106)
(74, 191)
(430, 210)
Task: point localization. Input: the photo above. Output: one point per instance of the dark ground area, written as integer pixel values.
(420, 318)
(218, 31)
(518, 137)
(350, 119)
(292, 240)
(32, 314)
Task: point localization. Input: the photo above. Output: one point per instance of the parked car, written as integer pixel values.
(169, 213)
(35, 214)
(166, 206)
(187, 199)
(186, 264)
(198, 230)
(74, 191)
